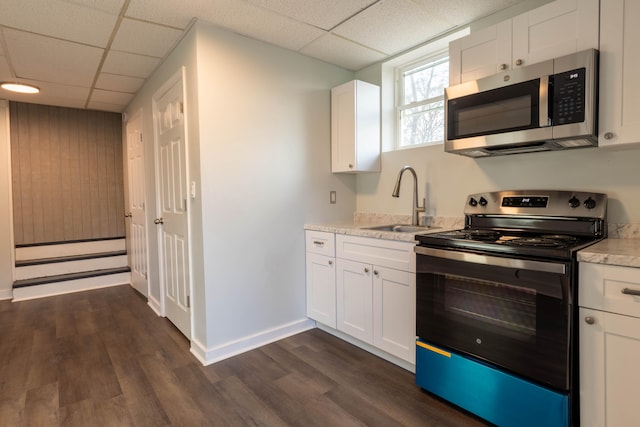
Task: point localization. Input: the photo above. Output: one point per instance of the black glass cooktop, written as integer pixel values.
(507, 242)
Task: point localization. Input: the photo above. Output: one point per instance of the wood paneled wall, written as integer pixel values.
(67, 172)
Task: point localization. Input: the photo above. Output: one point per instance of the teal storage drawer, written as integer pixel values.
(490, 393)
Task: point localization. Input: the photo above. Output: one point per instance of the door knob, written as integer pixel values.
(158, 221)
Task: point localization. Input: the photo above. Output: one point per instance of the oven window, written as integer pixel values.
(513, 309)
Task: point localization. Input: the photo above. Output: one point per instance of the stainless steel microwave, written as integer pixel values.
(551, 105)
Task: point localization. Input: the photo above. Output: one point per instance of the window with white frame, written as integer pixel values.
(420, 101)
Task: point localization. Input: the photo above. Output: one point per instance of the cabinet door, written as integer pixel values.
(355, 299)
(321, 289)
(355, 127)
(480, 54)
(555, 29)
(394, 312)
(343, 128)
(619, 65)
(609, 378)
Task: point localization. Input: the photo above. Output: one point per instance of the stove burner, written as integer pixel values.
(547, 241)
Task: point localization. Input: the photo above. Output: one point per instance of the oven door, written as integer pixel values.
(511, 313)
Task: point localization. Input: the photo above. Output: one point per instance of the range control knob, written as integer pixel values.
(589, 203)
(483, 201)
(574, 202)
(473, 202)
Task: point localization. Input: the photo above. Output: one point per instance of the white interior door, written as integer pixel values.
(172, 221)
(137, 241)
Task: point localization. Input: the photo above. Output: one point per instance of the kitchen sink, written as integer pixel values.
(401, 228)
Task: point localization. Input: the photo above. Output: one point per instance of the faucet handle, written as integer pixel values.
(423, 207)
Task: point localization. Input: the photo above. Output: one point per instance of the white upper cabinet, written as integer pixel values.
(481, 54)
(355, 127)
(555, 29)
(619, 110)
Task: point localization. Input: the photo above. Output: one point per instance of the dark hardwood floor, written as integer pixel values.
(103, 358)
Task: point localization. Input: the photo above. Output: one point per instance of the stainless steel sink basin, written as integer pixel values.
(400, 228)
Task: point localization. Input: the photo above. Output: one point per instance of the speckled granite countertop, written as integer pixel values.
(623, 252)
(362, 220)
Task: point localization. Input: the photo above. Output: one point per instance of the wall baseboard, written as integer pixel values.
(207, 356)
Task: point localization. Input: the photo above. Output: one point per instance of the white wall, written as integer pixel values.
(265, 162)
(6, 222)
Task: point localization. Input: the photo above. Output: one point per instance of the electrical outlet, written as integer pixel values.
(332, 197)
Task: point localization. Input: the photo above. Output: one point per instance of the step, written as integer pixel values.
(33, 268)
(63, 249)
(68, 283)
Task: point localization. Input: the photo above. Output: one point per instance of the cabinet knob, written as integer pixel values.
(330, 262)
(350, 166)
(519, 62)
(375, 272)
(589, 320)
(608, 135)
(366, 270)
(503, 67)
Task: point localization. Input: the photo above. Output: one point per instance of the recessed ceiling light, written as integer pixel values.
(19, 87)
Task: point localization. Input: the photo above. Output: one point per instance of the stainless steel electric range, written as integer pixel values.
(496, 305)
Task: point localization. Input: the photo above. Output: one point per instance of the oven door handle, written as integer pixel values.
(521, 264)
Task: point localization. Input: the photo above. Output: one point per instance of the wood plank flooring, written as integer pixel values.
(103, 358)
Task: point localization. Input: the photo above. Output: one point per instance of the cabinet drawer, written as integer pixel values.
(320, 242)
(385, 253)
(610, 288)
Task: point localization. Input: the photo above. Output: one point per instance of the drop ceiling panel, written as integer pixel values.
(261, 24)
(461, 12)
(51, 60)
(5, 71)
(110, 97)
(103, 106)
(349, 55)
(145, 38)
(324, 14)
(169, 12)
(119, 83)
(392, 26)
(59, 19)
(110, 6)
(129, 64)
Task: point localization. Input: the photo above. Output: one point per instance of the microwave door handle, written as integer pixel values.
(544, 101)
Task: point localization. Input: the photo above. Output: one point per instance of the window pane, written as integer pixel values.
(422, 125)
(426, 81)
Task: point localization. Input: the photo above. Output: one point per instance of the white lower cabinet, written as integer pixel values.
(321, 277)
(394, 312)
(377, 305)
(321, 289)
(609, 345)
(355, 299)
(367, 291)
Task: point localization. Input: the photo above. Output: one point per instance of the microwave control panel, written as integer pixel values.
(568, 97)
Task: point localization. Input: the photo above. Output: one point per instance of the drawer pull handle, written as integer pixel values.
(628, 291)
(318, 242)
